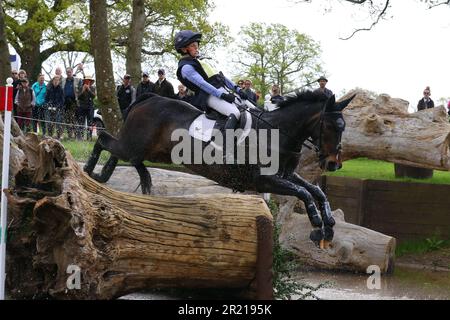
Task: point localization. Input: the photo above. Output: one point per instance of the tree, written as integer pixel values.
(294, 58)
(149, 36)
(5, 66)
(379, 8)
(101, 51)
(135, 38)
(32, 25)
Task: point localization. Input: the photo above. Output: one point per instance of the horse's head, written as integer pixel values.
(328, 134)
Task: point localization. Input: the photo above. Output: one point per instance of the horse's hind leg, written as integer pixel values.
(146, 179)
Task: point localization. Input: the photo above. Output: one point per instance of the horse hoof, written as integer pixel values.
(324, 244)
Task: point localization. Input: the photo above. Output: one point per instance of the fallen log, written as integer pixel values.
(354, 248)
(62, 221)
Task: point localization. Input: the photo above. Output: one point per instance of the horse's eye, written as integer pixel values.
(340, 124)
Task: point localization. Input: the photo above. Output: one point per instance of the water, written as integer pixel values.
(405, 284)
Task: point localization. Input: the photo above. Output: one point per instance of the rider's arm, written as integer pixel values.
(231, 85)
(188, 72)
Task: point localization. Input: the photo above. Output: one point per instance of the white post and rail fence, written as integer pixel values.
(6, 103)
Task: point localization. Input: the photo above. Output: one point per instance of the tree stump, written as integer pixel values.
(61, 221)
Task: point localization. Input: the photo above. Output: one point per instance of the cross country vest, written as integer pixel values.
(200, 98)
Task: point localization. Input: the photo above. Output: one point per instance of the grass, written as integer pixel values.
(363, 168)
(421, 246)
(81, 151)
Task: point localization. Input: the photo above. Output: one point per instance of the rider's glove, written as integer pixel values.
(228, 97)
(243, 95)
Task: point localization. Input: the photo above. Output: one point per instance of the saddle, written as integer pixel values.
(203, 126)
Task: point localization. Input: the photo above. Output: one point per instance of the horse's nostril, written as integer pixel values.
(332, 166)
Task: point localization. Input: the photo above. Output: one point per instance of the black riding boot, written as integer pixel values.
(228, 155)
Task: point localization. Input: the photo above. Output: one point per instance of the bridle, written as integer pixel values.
(339, 124)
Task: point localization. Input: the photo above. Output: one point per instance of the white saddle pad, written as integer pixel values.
(202, 128)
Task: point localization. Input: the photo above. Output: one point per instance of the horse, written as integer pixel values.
(147, 132)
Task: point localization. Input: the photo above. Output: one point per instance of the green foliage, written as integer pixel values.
(284, 265)
(164, 19)
(421, 246)
(272, 53)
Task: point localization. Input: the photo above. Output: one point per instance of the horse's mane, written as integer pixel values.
(302, 96)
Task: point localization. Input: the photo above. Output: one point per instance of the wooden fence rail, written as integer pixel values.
(405, 211)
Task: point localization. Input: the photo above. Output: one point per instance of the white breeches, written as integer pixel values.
(222, 106)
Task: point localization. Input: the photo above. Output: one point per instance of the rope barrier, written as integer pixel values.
(57, 123)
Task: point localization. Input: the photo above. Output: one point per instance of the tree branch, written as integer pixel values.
(380, 15)
(154, 53)
(433, 5)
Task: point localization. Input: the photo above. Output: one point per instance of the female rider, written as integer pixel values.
(210, 88)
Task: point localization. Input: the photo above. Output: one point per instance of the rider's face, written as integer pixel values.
(192, 49)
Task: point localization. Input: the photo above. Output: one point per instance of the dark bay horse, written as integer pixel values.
(146, 135)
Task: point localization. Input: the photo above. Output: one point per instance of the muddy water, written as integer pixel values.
(405, 284)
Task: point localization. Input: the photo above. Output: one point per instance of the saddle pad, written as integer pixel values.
(202, 128)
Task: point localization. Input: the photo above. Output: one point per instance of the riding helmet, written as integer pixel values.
(185, 38)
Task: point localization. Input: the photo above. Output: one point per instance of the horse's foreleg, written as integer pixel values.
(107, 170)
(319, 195)
(93, 158)
(145, 177)
(278, 185)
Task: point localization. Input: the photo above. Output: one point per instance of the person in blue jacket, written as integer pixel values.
(211, 89)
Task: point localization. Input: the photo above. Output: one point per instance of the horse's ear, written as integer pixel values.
(341, 105)
(330, 104)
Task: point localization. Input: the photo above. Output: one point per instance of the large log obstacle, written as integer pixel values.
(62, 220)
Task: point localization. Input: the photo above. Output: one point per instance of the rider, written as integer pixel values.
(210, 88)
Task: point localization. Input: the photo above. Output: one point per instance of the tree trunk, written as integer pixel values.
(64, 224)
(5, 65)
(101, 52)
(354, 248)
(135, 38)
(381, 128)
(31, 61)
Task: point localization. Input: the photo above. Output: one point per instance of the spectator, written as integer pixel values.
(322, 83)
(54, 101)
(39, 110)
(249, 91)
(145, 86)
(273, 98)
(241, 84)
(183, 94)
(425, 102)
(71, 87)
(17, 77)
(162, 86)
(85, 111)
(25, 100)
(448, 107)
(58, 72)
(126, 94)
